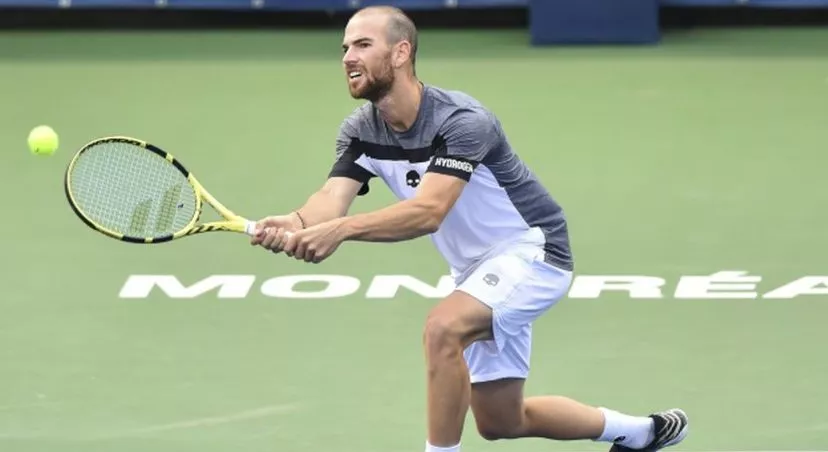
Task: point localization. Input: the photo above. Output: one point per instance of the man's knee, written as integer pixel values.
(505, 429)
(442, 333)
(455, 323)
(498, 408)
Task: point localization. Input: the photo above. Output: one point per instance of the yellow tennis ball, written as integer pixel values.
(43, 140)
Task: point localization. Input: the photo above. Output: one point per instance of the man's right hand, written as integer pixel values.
(270, 231)
(331, 201)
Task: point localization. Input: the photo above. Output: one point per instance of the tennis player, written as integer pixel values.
(505, 239)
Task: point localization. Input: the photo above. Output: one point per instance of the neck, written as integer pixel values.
(400, 106)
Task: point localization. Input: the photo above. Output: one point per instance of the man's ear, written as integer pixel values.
(402, 53)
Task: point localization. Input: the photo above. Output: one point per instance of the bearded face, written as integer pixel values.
(371, 79)
(367, 58)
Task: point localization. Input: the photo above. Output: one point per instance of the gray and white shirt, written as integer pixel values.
(454, 134)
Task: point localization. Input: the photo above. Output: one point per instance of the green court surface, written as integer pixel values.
(702, 155)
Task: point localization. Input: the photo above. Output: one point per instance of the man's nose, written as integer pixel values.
(349, 57)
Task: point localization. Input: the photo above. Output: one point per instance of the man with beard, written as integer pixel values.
(505, 239)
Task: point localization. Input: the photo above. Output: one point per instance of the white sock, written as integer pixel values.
(430, 448)
(630, 431)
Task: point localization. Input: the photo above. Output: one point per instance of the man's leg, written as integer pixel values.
(498, 373)
(481, 333)
(487, 307)
(453, 324)
(499, 406)
(501, 412)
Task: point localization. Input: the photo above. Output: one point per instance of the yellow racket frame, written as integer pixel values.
(231, 223)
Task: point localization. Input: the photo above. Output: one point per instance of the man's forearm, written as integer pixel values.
(404, 220)
(319, 208)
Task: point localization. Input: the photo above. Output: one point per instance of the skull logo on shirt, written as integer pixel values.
(412, 179)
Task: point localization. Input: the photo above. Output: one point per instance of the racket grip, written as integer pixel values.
(250, 229)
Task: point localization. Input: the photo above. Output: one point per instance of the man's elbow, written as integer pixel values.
(431, 225)
(433, 216)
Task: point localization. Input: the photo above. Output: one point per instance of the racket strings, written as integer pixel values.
(132, 191)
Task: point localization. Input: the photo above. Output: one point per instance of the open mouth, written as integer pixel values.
(354, 75)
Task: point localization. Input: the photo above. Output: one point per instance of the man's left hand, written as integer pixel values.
(316, 243)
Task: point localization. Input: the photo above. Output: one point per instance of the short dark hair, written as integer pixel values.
(400, 28)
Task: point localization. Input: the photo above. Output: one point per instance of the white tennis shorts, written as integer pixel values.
(519, 287)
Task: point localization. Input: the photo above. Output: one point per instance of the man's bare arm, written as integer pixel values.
(331, 201)
(405, 220)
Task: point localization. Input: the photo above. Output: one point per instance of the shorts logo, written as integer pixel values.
(491, 279)
(412, 179)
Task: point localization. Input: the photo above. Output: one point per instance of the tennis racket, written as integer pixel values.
(136, 192)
